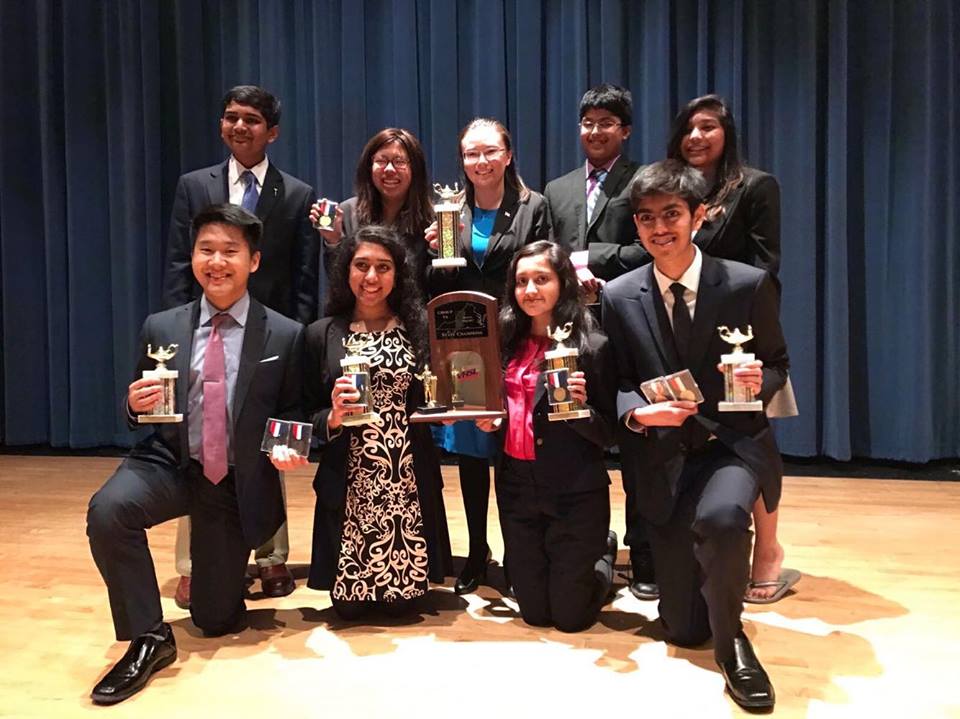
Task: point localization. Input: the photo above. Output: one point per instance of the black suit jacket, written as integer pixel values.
(570, 453)
(748, 230)
(731, 294)
(268, 385)
(518, 223)
(610, 236)
(324, 350)
(287, 278)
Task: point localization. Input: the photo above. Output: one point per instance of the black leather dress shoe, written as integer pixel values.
(610, 553)
(276, 580)
(147, 654)
(643, 584)
(473, 574)
(747, 681)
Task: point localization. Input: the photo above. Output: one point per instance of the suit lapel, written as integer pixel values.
(217, 191)
(505, 215)
(185, 322)
(709, 298)
(466, 237)
(254, 338)
(271, 193)
(336, 333)
(709, 231)
(656, 316)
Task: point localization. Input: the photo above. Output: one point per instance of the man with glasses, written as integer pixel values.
(591, 217)
(287, 278)
(590, 206)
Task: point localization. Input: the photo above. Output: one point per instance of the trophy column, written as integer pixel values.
(165, 410)
(737, 397)
(561, 361)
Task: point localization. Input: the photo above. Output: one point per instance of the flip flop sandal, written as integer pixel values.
(788, 578)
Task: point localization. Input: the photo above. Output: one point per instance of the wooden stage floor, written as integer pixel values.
(870, 631)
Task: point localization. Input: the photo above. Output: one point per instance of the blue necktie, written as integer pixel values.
(594, 183)
(250, 194)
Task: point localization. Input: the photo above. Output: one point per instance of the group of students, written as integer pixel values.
(654, 242)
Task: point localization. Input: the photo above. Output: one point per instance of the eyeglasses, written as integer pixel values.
(669, 217)
(491, 153)
(399, 163)
(603, 125)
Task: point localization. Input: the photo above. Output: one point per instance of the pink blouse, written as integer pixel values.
(521, 377)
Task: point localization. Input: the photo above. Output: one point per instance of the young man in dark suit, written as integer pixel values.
(287, 278)
(693, 471)
(591, 218)
(239, 363)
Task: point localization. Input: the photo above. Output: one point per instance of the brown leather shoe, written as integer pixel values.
(276, 580)
(182, 595)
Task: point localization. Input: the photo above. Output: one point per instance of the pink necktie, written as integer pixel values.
(215, 405)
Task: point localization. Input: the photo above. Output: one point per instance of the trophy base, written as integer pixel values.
(435, 409)
(354, 420)
(449, 262)
(159, 418)
(755, 406)
(456, 415)
(569, 414)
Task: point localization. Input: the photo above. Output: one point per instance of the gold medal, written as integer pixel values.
(559, 394)
(325, 221)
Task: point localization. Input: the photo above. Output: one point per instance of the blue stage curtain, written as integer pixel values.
(853, 106)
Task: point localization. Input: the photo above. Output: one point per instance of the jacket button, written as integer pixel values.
(539, 441)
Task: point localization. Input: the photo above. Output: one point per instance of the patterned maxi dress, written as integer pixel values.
(383, 553)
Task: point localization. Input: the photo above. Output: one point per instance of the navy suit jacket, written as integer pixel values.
(610, 237)
(635, 319)
(268, 385)
(287, 278)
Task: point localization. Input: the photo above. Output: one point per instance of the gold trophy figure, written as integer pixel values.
(356, 366)
(561, 361)
(165, 410)
(738, 397)
(429, 380)
(448, 226)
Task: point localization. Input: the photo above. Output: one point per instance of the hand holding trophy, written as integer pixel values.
(165, 409)
(739, 397)
(561, 364)
(356, 367)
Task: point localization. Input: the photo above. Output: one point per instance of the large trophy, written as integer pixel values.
(357, 367)
(561, 361)
(739, 397)
(448, 227)
(465, 355)
(165, 410)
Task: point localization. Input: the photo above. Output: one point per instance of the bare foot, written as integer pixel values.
(767, 562)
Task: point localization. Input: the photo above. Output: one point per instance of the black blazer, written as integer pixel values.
(417, 247)
(635, 319)
(287, 278)
(611, 236)
(570, 454)
(268, 385)
(748, 230)
(324, 350)
(518, 223)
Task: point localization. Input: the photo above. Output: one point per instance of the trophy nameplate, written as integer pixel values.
(165, 410)
(737, 397)
(448, 227)
(561, 361)
(357, 367)
(465, 354)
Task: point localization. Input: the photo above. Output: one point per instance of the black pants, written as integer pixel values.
(142, 494)
(556, 544)
(636, 535)
(475, 488)
(702, 554)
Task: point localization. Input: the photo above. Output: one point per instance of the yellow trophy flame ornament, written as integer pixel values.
(737, 397)
(165, 410)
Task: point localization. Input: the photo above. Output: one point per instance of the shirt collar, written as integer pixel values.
(238, 310)
(689, 279)
(235, 169)
(588, 168)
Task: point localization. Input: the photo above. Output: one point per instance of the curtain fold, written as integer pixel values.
(108, 101)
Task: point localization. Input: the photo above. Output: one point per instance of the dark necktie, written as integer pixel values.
(214, 436)
(682, 325)
(250, 194)
(594, 183)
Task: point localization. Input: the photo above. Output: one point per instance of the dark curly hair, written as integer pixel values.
(729, 168)
(417, 210)
(406, 298)
(515, 323)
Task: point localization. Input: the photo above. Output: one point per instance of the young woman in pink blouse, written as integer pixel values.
(551, 481)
